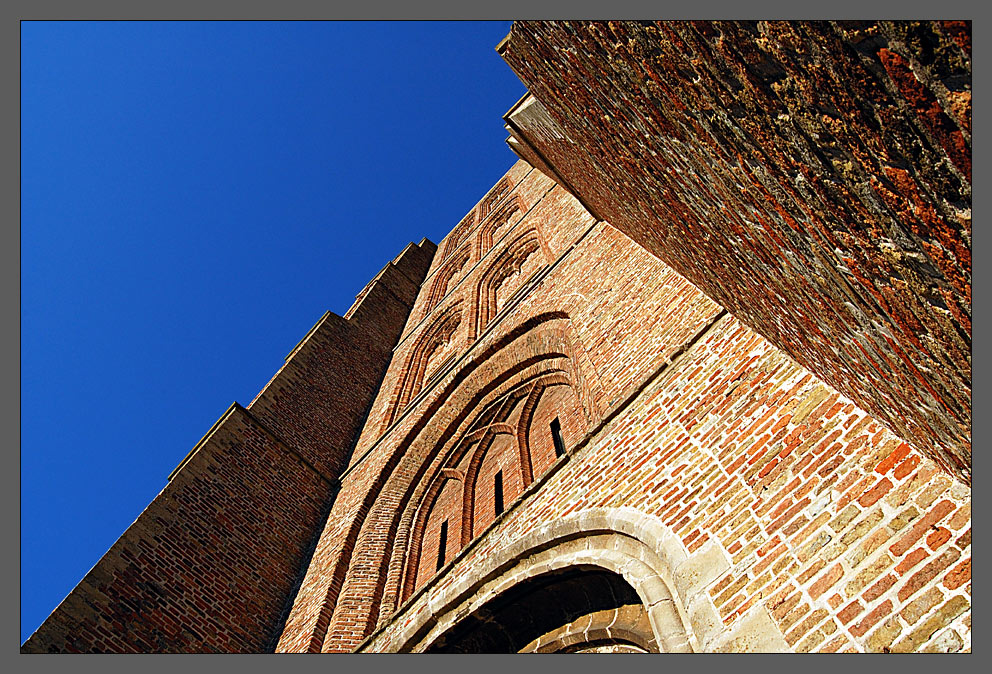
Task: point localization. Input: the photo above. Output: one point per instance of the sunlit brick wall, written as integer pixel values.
(812, 177)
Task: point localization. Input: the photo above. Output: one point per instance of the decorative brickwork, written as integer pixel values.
(445, 278)
(500, 190)
(495, 225)
(461, 490)
(506, 273)
(574, 448)
(429, 352)
(812, 177)
(457, 235)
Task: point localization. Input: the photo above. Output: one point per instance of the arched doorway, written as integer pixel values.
(576, 609)
(620, 558)
(603, 553)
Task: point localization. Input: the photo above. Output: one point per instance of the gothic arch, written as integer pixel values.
(438, 333)
(638, 547)
(443, 278)
(509, 261)
(471, 526)
(543, 341)
(493, 197)
(466, 457)
(471, 494)
(434, 509)
(525, 425)
(498, 220)
(457, 235)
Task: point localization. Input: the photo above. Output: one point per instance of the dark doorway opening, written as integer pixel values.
(537, 607)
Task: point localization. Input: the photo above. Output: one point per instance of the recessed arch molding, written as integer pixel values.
(670, 584)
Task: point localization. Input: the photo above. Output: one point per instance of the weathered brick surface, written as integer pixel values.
(717, 469)
(712, 429)
(814, 178)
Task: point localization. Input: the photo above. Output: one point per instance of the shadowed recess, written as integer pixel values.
(535, 607)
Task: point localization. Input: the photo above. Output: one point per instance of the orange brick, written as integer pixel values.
(938, 538)
(869, 620)
(879, 588)
(888, 462)
(921, 526)
(872, 496)
(959, 575)
(906, 467)
(911, 560)
(850, 612)
(827, 581)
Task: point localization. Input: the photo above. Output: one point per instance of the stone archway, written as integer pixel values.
(624, 542)
(555, 612)
(591, 551)
(669, 583)
(625, 629)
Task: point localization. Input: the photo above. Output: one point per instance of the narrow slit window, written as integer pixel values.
(556, 434)
(498, 491)
(442, 544)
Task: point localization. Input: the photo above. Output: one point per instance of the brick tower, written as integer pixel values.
(670, 386)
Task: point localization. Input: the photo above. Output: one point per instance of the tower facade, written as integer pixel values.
(551, 433)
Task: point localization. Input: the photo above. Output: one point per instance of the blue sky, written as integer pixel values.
(194, 196)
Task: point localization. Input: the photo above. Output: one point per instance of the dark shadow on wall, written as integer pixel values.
(540, 606)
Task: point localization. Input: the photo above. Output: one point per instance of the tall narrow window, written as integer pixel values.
(556, 434)
(498, 492)
(442, 544)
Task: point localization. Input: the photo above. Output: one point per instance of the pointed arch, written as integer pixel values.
(442, 282)
(420, 514)
(458, 234)
(554, 365)
(500, 218)
(433, 510)
(470, 496)
(493, 197)
(469, 452)
(437, 334)
(374, 548)
(523, 429)
(509, 261)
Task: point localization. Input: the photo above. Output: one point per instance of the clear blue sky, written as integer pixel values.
(194, 196)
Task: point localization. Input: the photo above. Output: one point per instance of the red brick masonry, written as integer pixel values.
(737, 398)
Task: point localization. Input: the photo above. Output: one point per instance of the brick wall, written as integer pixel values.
(812, 177)
(207, 566)
(212, 562)
(778, 514)
(390, 418)
(850, 539)
(668, 405)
